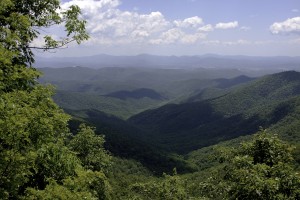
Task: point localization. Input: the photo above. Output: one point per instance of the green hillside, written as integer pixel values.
(206, 116)
(271, 102)
(122, 108)
(124, 92)
(170, 83)
(222, 110)
(261, 92)
(189, 126)
(127, 141)
(136, 94)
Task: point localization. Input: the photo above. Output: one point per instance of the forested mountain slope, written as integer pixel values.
(122, 108)
(262, 102)
(136, 94)
(219, 110)
(127, 141)
(125, 92)
(168, 82)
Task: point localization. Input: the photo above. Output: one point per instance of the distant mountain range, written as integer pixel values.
(136, 94)
(152, 114)
(153, 61)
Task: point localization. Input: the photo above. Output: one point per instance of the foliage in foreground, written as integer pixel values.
(259, 169)
(35, 161)
(168, 188)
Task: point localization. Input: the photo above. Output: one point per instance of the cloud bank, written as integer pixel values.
(227, 25)
(291, 25)
(107, 24)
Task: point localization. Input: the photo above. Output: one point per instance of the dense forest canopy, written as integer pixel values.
(35, 162)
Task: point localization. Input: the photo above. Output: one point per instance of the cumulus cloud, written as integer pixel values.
(169, 37)
(175, 35)
(189, 22)
(227, 25)
(39, 41)
(206, 28)
(109, 25)
(90, 8)
(291, 25)
(192, 38)
(238, 42)
(105, 20)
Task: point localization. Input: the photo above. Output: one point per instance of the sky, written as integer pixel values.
(187, 27)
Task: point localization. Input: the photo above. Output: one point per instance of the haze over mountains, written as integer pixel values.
(165, 62)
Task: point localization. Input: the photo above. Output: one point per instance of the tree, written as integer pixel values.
(33, 129)
(90, 149)
(259, 169)
(87, 184)
(167, 188)
(29, 121)
(20, 23)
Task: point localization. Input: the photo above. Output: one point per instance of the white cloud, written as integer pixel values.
(206, 28)
(140, 34)
(243, 42)
(90, 8)
(295, 10)
(237, 42)
(227, 25)
(109, 25)
(227, 43)
(175, 35)
(189, 22)
(154, 22)
(38, 42)
(211, 42)
(192, 38)
(171, 36)
(291, 25)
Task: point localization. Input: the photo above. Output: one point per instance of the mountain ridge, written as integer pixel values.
(188, 126)
(136, 94)
(152, 61)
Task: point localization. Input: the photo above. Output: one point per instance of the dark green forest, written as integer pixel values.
(137, 132)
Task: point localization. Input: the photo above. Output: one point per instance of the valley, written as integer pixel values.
(159, 116)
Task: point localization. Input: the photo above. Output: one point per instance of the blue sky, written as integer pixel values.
(189, 27)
